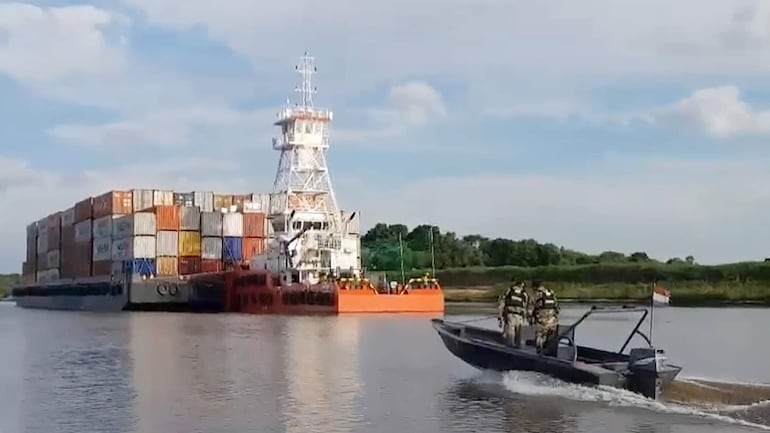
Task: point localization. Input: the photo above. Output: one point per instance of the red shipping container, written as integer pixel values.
(211, 265)
(252, 247)
(101, 268)
(167, 217)
(113, 203)
(53, 237)
(84, 209)
(254, 225)
(189, 265)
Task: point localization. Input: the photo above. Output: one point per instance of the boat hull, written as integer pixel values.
(486, 350)
(96, 303)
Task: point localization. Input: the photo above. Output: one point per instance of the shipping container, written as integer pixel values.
(67, 236)
(75, 258)
(84, 231)
(32, 230)
(232, 249)
(167, 266)
(239, 200)
(232, 224)
(222, 202)
(136, 224)
(68, 217)
(113, 203)
(140, 247)
(52, 259)
(211, 248)
(142, 267)
(143, 199)
(162, 198)
(208, 265)
(351, 222)
(204, 200)
(48, 276)
(53, 220)
(101, 268)
(189, 265)
(53, 236)
(84, 210)
(254, 225)
(41, 260)
(167, 217)
(102, 250)
(184, 199)
(252, 247)
(189, 244)
(258, 203)
(211, 224)
(167, 244)
(102, 227)
(42, 242)
(189, 218)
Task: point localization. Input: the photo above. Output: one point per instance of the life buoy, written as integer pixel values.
(173, 289)
(162, 289)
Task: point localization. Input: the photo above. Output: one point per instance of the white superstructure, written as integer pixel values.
(309, 235)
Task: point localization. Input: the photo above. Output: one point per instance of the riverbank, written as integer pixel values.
(681, 295)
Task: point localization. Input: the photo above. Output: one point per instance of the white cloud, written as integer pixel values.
(717, 111)
(53, 45)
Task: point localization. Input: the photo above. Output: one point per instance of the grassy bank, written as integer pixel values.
(690, 284)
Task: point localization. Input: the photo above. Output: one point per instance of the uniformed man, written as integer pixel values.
(545, 314)
(512, 311)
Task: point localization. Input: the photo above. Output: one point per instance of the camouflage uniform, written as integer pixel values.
(546, 316)
(512, 309)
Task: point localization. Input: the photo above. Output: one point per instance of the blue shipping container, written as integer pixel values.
(144, 267)
(232, 249)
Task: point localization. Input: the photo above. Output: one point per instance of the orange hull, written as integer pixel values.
(258, 292)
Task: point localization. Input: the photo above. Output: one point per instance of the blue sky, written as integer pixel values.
(597, 125)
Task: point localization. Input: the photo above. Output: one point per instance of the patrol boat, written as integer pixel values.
(644, 370)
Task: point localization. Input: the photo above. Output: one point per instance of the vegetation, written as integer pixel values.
(6, 282)
(483, 266)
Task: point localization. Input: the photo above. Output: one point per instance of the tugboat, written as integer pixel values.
(312, 262)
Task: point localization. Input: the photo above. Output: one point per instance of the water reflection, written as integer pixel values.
(76, 368)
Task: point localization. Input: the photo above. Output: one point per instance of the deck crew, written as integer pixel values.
(545, 314)
(512, 311)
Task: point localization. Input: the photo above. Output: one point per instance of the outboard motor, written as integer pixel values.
(645, 366)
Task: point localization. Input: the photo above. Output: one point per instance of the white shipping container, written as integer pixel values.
(211, 248)
(204, 200)
(48, 276)
(211, 224)
(42, 241)
(52, 259)
(42, 226)
(102, 227)
(135, 247)
(258, 203)
(68, 217)
(136, 224)
(102, 249)
(83, 231)
(162, 198)
(167, 244)
(143, 199)
(189, 218)
(232, 224)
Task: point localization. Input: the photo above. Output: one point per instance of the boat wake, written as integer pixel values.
(689, 397)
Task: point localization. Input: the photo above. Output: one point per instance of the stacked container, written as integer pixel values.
(106, 208)
(211, 242)
(189, 236)
(48, 248)
(232, 237)
(68, 251)
(29, 267)
(167, 251)
(254, 233)
(81, 261)
(134, 244)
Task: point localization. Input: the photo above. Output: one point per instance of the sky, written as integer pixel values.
(598, 125)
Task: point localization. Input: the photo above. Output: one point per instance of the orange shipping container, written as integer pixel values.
(113, 203)
(252, 247)
(189, 265)
(211, 265)
(167, 217)
(254, 225)
(167, 266)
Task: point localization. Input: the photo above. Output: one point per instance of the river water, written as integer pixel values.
(162, 372)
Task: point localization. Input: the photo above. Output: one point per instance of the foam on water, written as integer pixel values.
(536, 384)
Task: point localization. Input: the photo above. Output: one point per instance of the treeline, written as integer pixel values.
(6, 282)
(477, 260)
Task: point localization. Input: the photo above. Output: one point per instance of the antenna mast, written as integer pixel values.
(307, 69)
